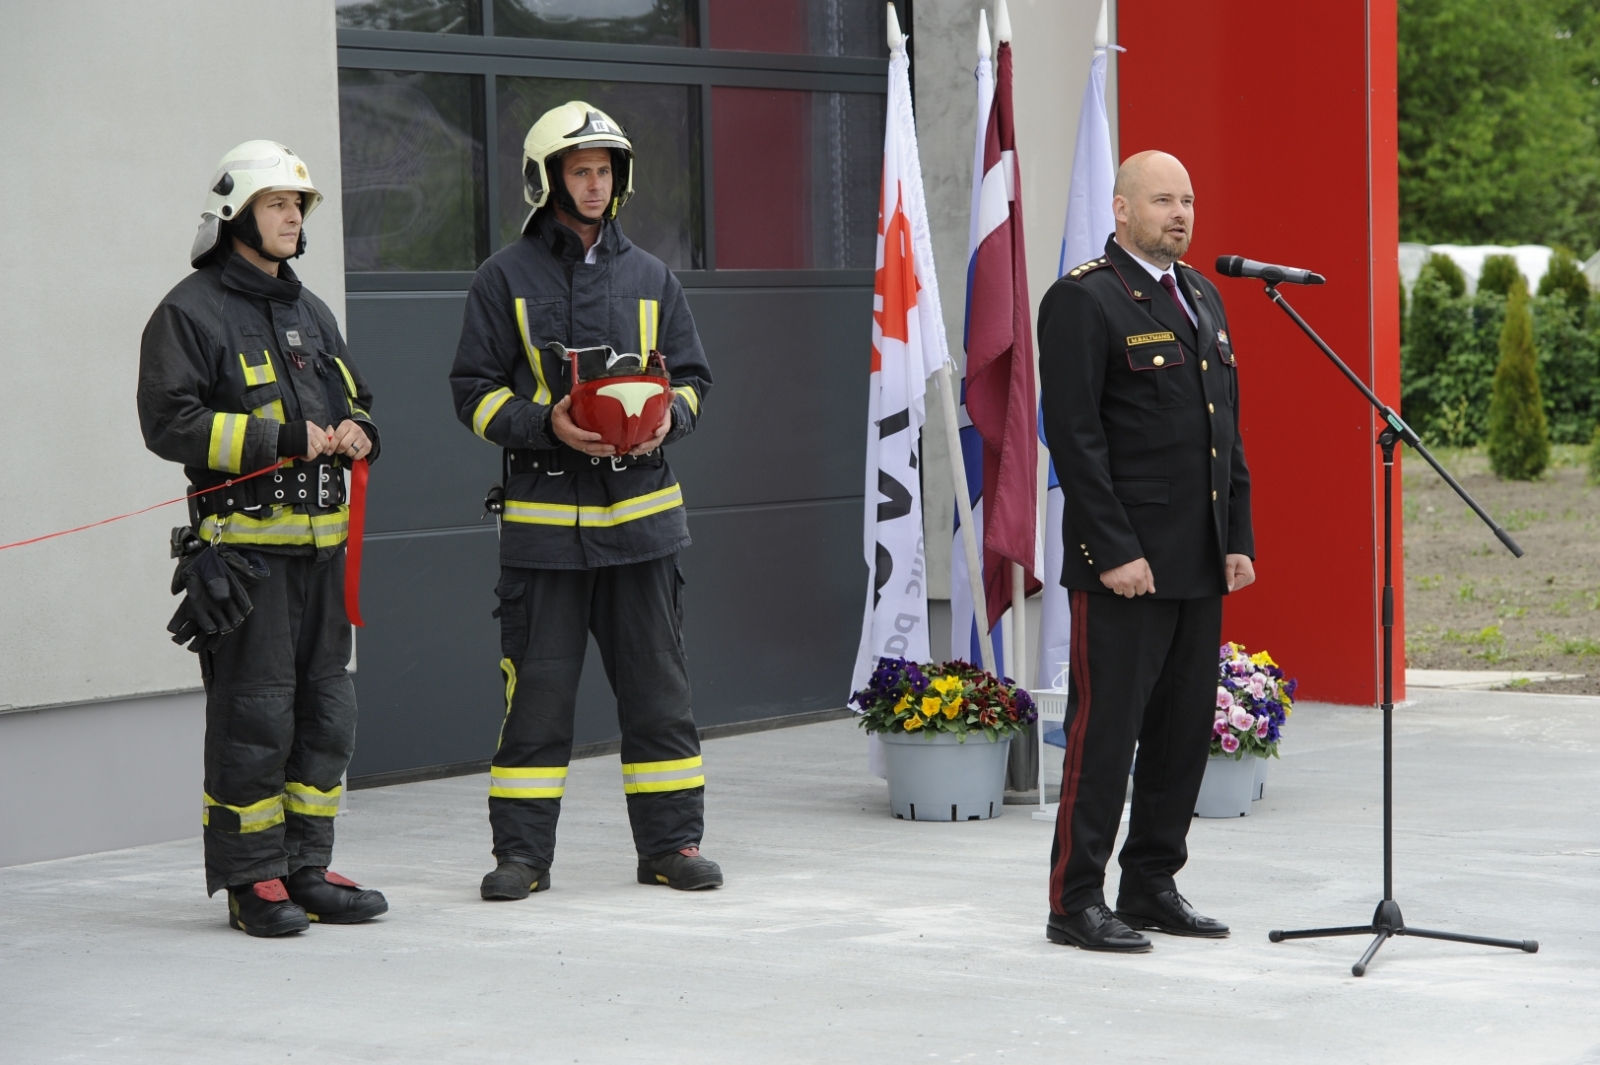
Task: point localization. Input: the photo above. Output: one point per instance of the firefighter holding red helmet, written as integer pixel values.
(590, 534)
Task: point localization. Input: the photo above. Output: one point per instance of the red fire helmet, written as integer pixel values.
(623, 397)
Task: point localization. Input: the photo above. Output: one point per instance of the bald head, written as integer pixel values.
(1153, 202)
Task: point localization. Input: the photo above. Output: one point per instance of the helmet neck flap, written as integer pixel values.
(245, 229)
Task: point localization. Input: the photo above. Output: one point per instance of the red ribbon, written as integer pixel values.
(153, 506)
(352, 551)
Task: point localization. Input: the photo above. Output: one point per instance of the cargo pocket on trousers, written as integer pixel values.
(677, 604)
(513, 615)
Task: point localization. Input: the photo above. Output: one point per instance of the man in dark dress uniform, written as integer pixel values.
(1141, 412)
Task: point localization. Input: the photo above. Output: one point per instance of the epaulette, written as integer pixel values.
(1088, 267)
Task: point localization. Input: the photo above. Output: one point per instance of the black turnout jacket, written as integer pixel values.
(1141, 412)
(232, 365)
(564, 510)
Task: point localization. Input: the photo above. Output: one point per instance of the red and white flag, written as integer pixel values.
(908, 344)
(1001, 397)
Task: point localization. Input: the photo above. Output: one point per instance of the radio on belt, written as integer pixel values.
(623, 397)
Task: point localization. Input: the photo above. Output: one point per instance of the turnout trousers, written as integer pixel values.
(280, 725)
(635, 612)
(1142, 671)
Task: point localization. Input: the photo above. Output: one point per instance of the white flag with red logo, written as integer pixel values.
(908, 344)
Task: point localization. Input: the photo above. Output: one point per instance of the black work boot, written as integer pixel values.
(514, 880)
(683, 870)
(329, 898)
(263, 909)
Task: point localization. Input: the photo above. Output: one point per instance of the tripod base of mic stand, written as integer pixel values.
(1386, 922)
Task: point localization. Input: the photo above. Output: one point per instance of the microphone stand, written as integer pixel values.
(1386, 920)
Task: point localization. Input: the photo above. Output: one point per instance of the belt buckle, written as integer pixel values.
(616, 463)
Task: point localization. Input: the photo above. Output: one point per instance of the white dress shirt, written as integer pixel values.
(1158, 273)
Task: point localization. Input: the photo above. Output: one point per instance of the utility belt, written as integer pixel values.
(318, 483)
(558, 461)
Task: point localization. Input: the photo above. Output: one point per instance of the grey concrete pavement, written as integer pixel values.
(846, 936)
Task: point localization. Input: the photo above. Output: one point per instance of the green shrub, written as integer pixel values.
(1499, 274)
(1569, 368)
(1565, 277)
(1446, 270)
(1519, 444)
(1594, 457)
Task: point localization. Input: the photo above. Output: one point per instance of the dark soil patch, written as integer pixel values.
(1471, 605)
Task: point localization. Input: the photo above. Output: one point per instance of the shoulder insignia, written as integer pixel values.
(1088, 267)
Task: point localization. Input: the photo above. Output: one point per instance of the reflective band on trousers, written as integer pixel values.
(226, 451)
(677, 775)
(594, 517)
(487, 408)
(282, 525)
(253, 818)
(313, 802)
(527, 782)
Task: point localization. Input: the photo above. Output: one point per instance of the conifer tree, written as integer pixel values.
(1519, 441)
(1499, 274)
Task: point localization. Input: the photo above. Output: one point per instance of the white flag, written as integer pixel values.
(1089, 223)
(908, 345)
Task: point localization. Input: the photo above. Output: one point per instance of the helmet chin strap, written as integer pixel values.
(245, 229)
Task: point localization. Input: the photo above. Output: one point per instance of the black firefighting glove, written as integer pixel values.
(215, 579)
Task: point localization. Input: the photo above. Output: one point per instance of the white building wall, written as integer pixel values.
(1052, 45)
(113, 116)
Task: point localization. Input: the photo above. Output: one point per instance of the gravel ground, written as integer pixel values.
(1471, 605)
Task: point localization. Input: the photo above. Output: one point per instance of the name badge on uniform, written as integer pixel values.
(294, 337)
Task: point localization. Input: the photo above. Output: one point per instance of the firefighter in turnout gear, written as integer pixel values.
(240, 367)
(589, 538)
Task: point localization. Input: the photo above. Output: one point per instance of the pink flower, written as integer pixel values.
(1230, 743)
(1258, 685)
(1220, 727)
(1241, 720)
(1261, 728)
(1224, 698)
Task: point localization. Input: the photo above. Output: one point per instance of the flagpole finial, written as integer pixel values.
(984, 50)
(1002, 23)
(1102, 29)
(897, 40)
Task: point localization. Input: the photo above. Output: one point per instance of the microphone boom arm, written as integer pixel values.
(1396, 424)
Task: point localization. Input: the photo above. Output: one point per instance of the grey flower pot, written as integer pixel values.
(939, 778)
(1227, 787)
(1261, 778)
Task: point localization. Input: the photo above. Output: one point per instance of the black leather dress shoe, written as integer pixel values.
(1095, 928)
(1169, 912)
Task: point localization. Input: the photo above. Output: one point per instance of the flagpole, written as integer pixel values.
(969, 537)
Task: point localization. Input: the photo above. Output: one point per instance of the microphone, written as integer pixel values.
(1239, 266)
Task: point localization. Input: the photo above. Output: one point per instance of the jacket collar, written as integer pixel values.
(1147, 291)
(239, 274)
(568, 246)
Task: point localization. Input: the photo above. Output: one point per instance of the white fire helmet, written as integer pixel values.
(573, 125)
(243, 174)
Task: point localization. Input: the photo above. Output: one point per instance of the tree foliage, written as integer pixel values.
(1500, 121)
(1566, 277)
(1519, 442)
(1499, 275)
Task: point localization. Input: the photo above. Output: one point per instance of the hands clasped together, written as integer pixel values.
(348, 439)
(591, 444)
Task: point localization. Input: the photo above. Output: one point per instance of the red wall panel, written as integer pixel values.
(1285, 116)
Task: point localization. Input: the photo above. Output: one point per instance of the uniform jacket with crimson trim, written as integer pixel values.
(564, 510)
(1141, 412)
(232, 365)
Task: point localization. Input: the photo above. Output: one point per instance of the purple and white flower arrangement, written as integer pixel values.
(1254, 699)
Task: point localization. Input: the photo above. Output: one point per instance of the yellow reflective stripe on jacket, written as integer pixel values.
(541, 393)
(226, 451)
(677, 775)
(349, 381)
(594, 517)
(649, 318)
(488, 407)
(313, 802)
(281, 525)
(527, 782)
(256, 817)
(691, 397)
(258, 375)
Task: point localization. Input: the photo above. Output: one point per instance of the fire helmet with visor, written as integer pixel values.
(253, 168)
(571, 126)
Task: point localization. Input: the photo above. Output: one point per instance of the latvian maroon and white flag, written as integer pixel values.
(1001, 398)
(908, 345)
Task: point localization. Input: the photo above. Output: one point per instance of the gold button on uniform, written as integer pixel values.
(1203, 365)
(1211, 407)
(1213, 494)
(1159, 361)
(1213, 452)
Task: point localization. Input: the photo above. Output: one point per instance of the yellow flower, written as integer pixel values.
(904, 703)
(946, 685)
(930, 705)
(913, 723)
(954, 708)
(1261, 658)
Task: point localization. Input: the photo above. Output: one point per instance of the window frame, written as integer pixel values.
(491, 57)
